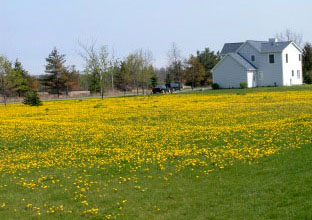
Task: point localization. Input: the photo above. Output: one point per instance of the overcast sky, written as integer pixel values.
(29, 29)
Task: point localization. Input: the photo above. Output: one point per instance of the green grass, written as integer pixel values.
(254, 90)
(277, 187)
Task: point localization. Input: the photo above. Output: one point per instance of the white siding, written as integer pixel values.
(229, 73)
(271, 73)
(293, 65)
(247, 51)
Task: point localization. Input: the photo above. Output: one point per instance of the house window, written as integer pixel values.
(260, 75)
(299, 57)
(286, 58)
(253, 58)
(298, 74)
(292, 72)
(271, 58)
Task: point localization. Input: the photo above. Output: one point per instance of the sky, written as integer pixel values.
(30, 29)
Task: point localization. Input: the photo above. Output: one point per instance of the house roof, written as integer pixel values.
(230, 48)
(238, 59)
(261, 46)
(269, 47)
(242, 61)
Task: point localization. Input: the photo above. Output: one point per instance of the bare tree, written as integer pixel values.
(146, 58)
(175, 64)
(290, 35)
(133, 68)
(113, 68)
(97, 64)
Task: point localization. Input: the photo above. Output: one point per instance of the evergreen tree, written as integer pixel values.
(195, 72)
(307, 63)
(22, 79)
(154, 78)
(32, 99)
(54, 80)
(123, 78)
(208, 59)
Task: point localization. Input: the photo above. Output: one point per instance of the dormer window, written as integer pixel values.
(271, 58)
(286, 58)
(253, 58)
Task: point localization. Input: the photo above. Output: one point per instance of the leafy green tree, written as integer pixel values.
(70, 78)
(307, 63)
(6, 78)
(132, 67)
(54, 80)
(98, 66)
(208, 59)
(195, 72)
(146, 70)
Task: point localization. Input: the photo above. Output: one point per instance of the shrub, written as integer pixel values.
(215, 86)
(243, 85)
(32, 98)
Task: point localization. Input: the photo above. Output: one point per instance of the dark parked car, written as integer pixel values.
(160, 89)
(174, 86)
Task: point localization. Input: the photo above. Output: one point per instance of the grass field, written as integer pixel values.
(224, 154)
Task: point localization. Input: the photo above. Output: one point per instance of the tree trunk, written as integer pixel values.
(5, 100)
(113, 83)
(101, 85)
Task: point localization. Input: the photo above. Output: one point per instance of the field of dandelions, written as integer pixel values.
(97, 159)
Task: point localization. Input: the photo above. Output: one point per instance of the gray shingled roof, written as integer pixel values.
(242, 61)
(261, 46)
(256, 44)
(268, 47)
(274, 47)
(230, 48)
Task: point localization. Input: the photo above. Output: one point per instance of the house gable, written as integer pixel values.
(230, 72)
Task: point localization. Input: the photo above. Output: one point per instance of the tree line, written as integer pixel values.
(104, 72)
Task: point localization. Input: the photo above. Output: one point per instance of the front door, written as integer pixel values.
(254, 80)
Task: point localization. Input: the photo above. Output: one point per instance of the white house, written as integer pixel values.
(259, 63)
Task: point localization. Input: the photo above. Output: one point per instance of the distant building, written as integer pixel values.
(259, 63)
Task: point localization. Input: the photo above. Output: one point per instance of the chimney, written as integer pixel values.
(272, 40)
